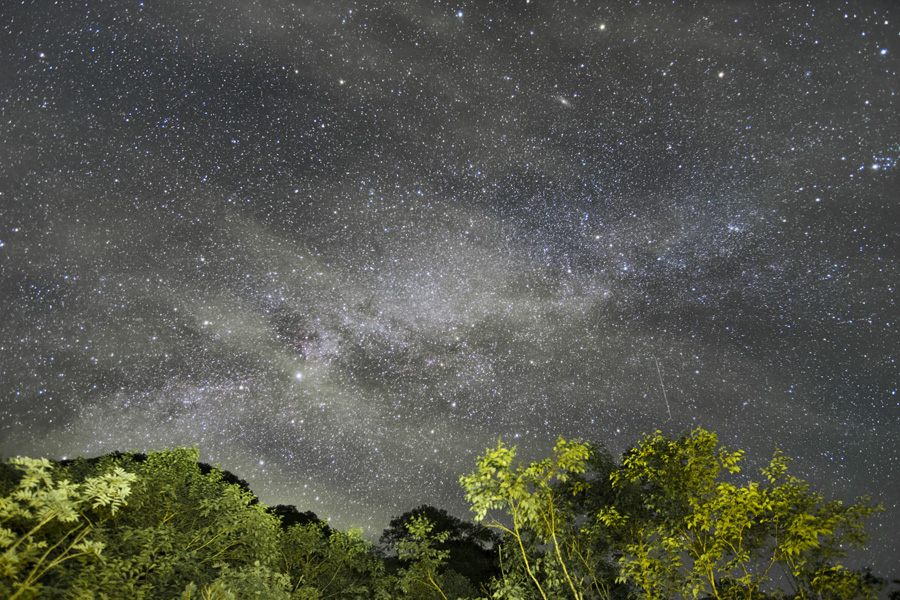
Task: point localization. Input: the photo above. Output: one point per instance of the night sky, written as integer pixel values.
(342, 247)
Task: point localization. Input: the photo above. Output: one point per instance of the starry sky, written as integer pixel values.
(342, 247)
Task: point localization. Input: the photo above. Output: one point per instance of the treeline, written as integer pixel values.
(671, 519)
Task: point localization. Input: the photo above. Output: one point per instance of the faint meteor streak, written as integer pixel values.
(663, 387)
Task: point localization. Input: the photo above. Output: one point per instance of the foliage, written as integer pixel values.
(458, 530)
(181, 526)
(43, 524)
(245, 583)
(697, 534)
(591, 548)
(290, 516)
(472, 547)
(421, 579)
(253, 581)
(674, 519)
(324, 563)
(530, 498)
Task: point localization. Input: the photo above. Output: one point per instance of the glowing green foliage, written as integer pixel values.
(699, 535)
(324, 563)
(424, 560)
(677, 516)
(181, 526)
(528, 495)
(43, 523)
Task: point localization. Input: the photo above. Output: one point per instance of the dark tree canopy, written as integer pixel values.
(290, 515)
(472, 546)
(460, 531)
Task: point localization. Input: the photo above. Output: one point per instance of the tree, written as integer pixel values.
(698, 534)
(530, 499)
(584, 494)
(181, 526)
(249, 582)
(290, 516)
(323, 563)
(43, 523)
(424, 559)
(441, 520)
(472, 547)
(676, 515)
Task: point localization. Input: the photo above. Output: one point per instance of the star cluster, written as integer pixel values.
(342, 247)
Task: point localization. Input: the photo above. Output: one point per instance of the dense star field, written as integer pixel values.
(342, 247)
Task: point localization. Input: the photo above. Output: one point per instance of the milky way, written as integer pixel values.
(343, 247)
